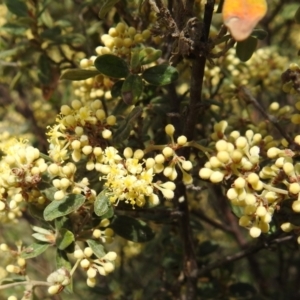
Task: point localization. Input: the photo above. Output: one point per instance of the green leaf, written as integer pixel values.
(35, 211)
(62, 261)
(61, 222)
(259, 34)
(135, 59)
(17, 7)
(132, 89)
(102, 204)
(132, 229)
(34, 250)
(160, 75)
(44, 69)
(78, 74)
(111, 66)
(109, 213)
(297, 16)
(11, 52)
(51, 33)
(64, 238)
(59, 208)
(41, 237)
(125, 126)
(116, 90)
(106, 7)
(149, 55)
(15, 29)
(246, 48)
(97, 248)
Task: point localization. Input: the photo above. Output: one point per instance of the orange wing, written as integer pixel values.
(241, 16)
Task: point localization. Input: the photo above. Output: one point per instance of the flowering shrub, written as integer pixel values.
(156, 130)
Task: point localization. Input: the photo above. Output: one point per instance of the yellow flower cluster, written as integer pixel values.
(256, 193)
(21, 168)
(131, 179)
(81, 128)
(118, 41)
(121, 39)
(265, 66)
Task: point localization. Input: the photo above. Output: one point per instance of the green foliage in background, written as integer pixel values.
(146, 154)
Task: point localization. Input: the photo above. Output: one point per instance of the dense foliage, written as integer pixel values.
(149, 149)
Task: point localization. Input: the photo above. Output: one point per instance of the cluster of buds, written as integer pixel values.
(121, 39)
(103, 233)
(131, 179)
(21, 170)
(20, 266)
(82, 129)
(58, 280)
(169, 155)
(92, 266)
(256, 192)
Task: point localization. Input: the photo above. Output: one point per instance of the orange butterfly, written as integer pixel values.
(241, 16)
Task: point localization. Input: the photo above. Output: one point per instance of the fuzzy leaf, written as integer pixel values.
(106, 7)
(34, 250)
(102, 204)
(111, 66)
(64, 239)
(132, 229)
(59, 208)
(97, 248)
(125, 126)
(132, 89)
(116, 90)
(149, 55)
(17, 7)
(160, 75)
(78, 74)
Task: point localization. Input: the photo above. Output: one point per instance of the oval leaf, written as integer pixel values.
(112, 66)
(106, 7)
(59, 208)
(97, 248)
(101, 204)
(64, 238)
(160, 75)
(17, 7)
(34, 250)
(125, 126)
(259, 34)
(246, 48)
(241, 16)
(132, 89)
(78, 74)
(116, 90)
(149, 55)
(132, 229)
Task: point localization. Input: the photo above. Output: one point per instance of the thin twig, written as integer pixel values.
(32, 283)
(263, 244)
(245, 94)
